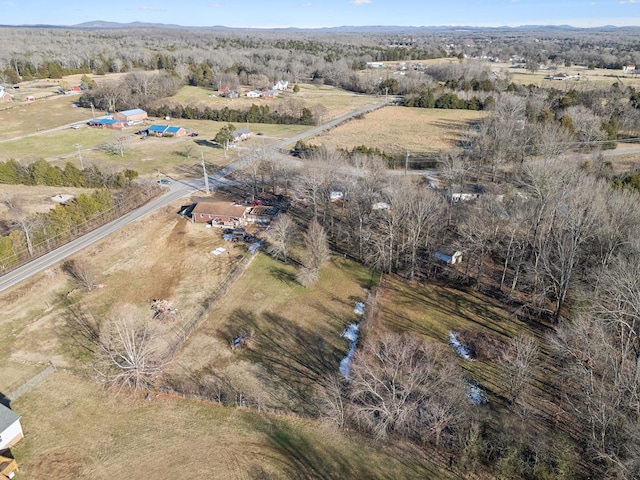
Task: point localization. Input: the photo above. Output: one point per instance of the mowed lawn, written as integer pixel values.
(76, 429)
(398, 130)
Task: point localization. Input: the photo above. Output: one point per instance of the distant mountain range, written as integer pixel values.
(98, 24)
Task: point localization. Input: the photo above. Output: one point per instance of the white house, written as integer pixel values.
(254, 94)
(282, 85)
(10, 428)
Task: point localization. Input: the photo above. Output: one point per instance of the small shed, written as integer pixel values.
(10, 428)
(29, 99)
(448, 255)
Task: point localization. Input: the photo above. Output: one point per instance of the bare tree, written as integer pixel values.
(28, 224)
(317, 246)
(406, 387)
(518, 363)
(282, 233)
(128, 353)
(81, 273)
(332, 399)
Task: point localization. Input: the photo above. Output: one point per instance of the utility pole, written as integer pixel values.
(406, 163)
(80, 155)
(206, 178)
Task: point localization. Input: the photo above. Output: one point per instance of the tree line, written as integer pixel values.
(42, 172)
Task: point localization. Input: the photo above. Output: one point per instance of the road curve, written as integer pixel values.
(178, 190)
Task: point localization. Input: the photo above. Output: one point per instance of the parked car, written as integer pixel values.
(164, 181)
(75, 127)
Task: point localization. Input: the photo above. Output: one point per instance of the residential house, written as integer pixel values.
(167, 131)
(282, 85)
(10, 428)
(241, 134)
(449, 255)
(4, 96)
(375, 65)
(131, 117)
(221, 214)
(270, 94)
(254, 94)
(629, 68)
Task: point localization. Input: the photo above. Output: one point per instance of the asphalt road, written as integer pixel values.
(177, 190)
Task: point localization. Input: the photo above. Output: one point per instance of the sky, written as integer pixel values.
(326, 13)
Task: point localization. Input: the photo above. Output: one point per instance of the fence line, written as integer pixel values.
(183, 333)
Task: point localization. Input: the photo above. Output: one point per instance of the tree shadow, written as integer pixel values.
(283, 275)
(206, 143)
(303, 456)
(294, 358)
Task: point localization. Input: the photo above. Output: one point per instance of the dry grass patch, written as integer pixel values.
(396, 129)
(19, 119)
(337, 101)
(75, 429)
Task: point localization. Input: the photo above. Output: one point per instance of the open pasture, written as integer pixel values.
(398, 130)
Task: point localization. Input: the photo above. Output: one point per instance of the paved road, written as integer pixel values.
(177, 190)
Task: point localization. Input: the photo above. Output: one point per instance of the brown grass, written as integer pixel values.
(75, 429)
(396, 129)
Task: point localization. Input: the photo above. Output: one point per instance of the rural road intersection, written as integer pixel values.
(178, 189)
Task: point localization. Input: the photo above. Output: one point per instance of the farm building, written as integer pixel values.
(106, 121)
(131, 117)
(167, 131)
(222, 214)
(10, 428)
(241, 134)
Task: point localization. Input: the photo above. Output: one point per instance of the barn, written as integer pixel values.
(131, 117)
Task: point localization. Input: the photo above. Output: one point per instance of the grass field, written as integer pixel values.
(397, 130)
(75, 429)
(296, 332)
(336, 101)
